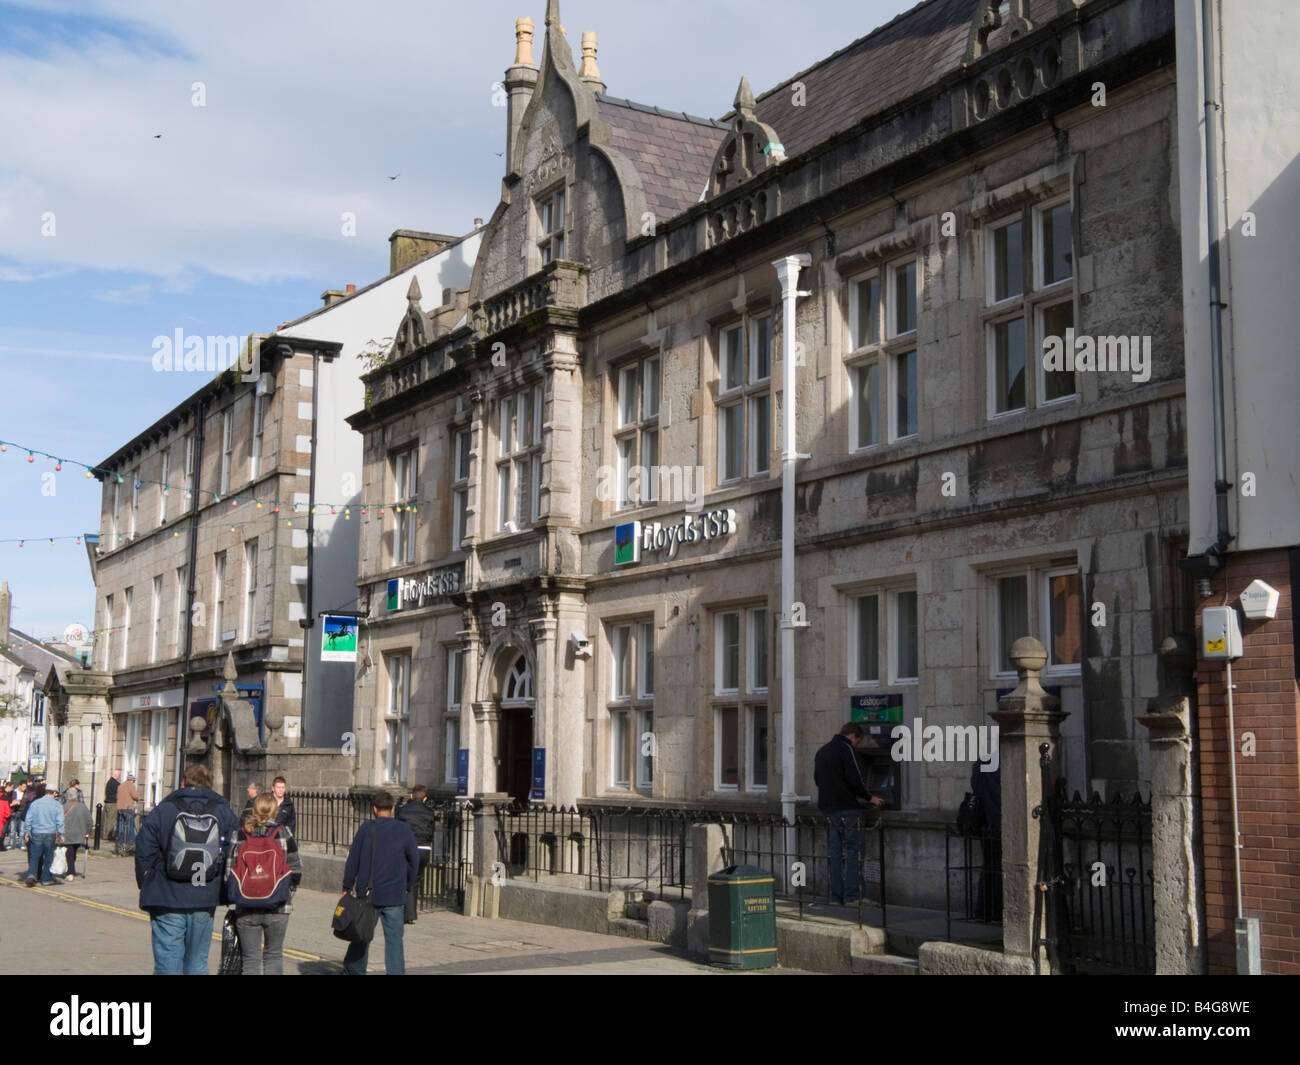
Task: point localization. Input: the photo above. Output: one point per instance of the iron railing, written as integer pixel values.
(1095, 859)
(447, 862)
(330, 819)
(649, 849)
(973, 873)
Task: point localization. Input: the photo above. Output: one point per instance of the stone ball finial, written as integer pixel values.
(1028, 655)
(272, 718)
(524, 42)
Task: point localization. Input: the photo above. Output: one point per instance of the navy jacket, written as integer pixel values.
(839, 778)
(397, 861)
(158, 894)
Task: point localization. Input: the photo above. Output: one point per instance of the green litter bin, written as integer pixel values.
(742, 918)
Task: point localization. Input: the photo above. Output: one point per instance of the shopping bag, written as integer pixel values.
(59, 866)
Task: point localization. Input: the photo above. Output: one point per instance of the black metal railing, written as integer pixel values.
(649, 849)
(447, 861)
(1095, 858)
(972, 875)
(532, 840)
(330, 819)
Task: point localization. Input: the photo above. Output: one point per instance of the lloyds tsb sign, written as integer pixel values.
(634, 540)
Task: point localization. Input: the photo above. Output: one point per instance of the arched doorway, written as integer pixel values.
(515, 731)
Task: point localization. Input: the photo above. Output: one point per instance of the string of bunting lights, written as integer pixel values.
(317, 506)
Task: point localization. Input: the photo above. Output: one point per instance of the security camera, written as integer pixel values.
(581, 645)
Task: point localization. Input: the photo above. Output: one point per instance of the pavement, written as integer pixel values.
(94, 926)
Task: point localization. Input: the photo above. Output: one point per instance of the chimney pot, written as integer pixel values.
(352, 288)
(524, 41)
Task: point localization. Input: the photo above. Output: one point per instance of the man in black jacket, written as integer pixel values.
(284, 813)
(419, 814)
(841, 795)
(383, 860)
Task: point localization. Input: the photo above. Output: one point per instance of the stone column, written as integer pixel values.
(1180, 934)
(481, 897)
(483, 751)
(1026, 718)
(708, 855)
(546, 710)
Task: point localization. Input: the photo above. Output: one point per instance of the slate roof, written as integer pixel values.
(24, 650)
(902, 57)
(671, 151)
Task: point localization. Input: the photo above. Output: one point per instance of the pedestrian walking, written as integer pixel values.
(127, 797)
(179, 869)
(5, 814)
(285, 814)
(841, 796)
(383, 851)
(264, 872)
(42, 832)
(16, 808)
(419, 814)
(252, 790)
(110, 804)
(77, 826)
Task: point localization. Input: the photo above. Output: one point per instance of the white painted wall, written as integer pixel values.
(370, 315)
(1261, 174)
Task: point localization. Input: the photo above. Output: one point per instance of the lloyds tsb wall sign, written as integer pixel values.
(634, 540)
(414, 591)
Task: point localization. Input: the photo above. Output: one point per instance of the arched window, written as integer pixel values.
(519, 681)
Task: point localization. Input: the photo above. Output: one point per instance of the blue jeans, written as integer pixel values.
(181, 942)
(40, 852)
(125, 828)
(842, 845)
(391, 917)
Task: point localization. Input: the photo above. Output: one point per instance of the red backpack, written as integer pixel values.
(260, 879)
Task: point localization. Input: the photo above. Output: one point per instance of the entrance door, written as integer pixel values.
(515, 753)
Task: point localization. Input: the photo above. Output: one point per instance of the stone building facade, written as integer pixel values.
(199, 540)
(590, 611)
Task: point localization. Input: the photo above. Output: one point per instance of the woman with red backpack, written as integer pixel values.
(263, 872)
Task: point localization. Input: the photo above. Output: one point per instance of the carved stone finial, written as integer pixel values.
(413, 290)
(744, 102)
(1028, 656)
(589, 71)
(552, 12)
(197, 745)
(231, 674)
(524, 42)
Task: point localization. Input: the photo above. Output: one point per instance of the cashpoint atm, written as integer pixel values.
(878, 714)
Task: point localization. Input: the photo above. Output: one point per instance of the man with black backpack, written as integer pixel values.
(179, 868)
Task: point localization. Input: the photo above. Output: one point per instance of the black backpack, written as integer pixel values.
(193, 846)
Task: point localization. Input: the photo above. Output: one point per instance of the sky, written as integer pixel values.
(187, 166)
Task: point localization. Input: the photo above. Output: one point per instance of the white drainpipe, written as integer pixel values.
(787, 270)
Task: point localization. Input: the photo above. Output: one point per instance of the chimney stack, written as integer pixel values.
(520, 82)
(589, 72)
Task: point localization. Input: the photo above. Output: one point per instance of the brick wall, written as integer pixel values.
(1268, 783)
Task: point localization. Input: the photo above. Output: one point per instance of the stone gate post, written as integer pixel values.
(1180, 938)
(1026, 718)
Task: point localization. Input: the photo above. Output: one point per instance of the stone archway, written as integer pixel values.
(512, 691)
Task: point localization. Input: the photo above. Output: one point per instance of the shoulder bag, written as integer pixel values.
(354, 916)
